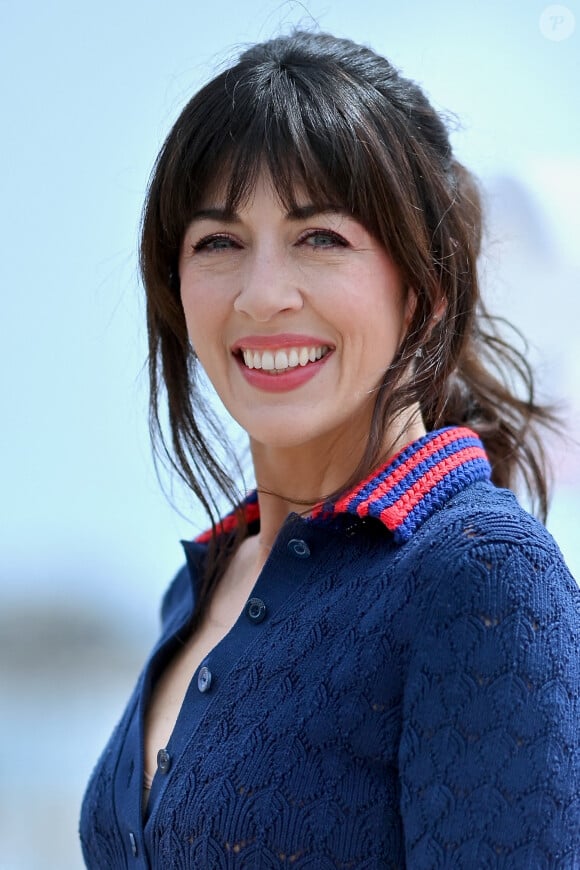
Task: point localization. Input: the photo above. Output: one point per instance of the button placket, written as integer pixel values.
(279, 585)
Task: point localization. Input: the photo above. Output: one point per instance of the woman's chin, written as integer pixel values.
(286, 428)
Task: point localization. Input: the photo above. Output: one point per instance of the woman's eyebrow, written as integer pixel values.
(215, 214)
(303, 212)
(296, 213)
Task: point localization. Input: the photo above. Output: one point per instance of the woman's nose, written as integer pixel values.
(268, 287)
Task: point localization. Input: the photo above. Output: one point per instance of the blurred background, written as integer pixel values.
(88, 542)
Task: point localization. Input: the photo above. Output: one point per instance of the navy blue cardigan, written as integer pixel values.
(402, 690)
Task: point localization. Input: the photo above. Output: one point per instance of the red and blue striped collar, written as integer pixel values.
(404, 492)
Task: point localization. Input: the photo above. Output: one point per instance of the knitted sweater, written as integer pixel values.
(402, 690)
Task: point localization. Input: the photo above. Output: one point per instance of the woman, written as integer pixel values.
(372, 661)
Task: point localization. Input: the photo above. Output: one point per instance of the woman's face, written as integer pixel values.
(294, 316)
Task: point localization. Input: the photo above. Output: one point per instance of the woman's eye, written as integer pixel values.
(215, 243)
(323, 239)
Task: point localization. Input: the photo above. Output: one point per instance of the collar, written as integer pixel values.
(404, 492)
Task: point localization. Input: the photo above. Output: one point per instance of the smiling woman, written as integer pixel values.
(276, 300)
(372, 660)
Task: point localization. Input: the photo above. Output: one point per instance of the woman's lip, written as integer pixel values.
(289, 379)
(283, 339)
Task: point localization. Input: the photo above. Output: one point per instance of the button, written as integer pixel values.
(163, 761)
(133, 842)
(299, 548)
(204, 679)
(256, 609)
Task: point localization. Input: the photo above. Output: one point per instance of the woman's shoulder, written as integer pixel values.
(485, 517)
(486, 511)
(483, 553)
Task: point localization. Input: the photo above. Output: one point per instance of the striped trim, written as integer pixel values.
(229, 523)
(404, 492)
(417, 481)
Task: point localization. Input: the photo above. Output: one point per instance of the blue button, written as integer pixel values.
(299, 548)
(133, 842)
(204, 679)
(163, 761)
(256, 609)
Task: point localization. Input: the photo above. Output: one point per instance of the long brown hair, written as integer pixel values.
(335, 119)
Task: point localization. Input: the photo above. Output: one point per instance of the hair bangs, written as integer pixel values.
(293, 162)
(311, 142)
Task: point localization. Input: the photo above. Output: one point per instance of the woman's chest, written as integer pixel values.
(170, 688)
(298, 705)
(313, 694)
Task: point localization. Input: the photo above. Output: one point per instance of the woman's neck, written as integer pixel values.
(296, 479)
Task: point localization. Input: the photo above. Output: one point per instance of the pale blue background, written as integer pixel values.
(87, 541)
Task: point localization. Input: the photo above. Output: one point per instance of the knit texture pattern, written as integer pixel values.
(408, 706)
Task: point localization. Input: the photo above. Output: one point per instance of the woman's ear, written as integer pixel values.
(411, 306)
(439, 310)
(438, 313)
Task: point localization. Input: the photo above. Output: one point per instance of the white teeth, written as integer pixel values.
(280, 360)
(267, 361)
